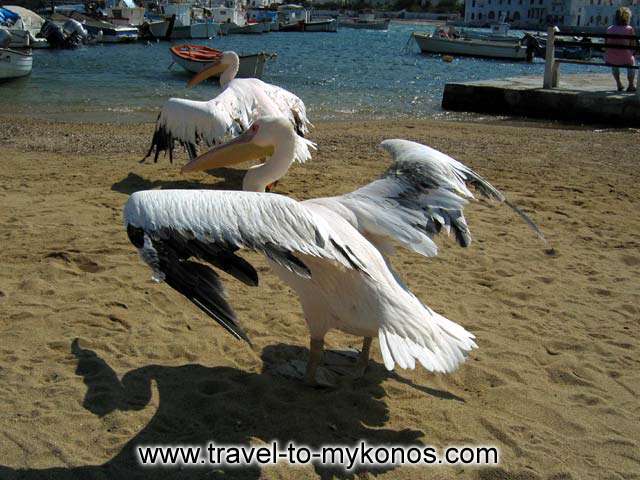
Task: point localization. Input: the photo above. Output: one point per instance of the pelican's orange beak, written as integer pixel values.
(207, 72)
(238, 150)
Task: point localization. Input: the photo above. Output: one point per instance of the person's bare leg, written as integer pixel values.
(631, 76)
(616, 75)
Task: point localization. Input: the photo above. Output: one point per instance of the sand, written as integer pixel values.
(96, 359)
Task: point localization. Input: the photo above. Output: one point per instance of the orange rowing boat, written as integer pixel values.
(196, 53)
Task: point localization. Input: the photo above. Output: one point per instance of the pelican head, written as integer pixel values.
(268, 137)
(227, 68)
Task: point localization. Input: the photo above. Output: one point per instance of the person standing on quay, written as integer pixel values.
(620, 57)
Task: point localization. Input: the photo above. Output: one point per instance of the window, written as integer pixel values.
(480, 16)
(516, 16)
(473, 4)
(606, 20)
(492, 15)
(472, 16)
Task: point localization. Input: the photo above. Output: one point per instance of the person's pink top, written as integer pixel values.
(619, 56)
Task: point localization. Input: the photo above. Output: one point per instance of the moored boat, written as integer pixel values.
(194, 58)
(366, 21)
(329, 25)
(104, 31)
(430, 43)
(291, 27)
(14, 63)
(250, 28)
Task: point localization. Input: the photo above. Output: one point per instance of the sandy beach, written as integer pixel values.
(96, 359)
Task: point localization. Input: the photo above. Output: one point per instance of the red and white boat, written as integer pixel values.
(195, 58)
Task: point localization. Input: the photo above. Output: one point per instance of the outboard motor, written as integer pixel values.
(72, 26)
(74, 32)
(72, 35)
(53, 34)
(5, 38)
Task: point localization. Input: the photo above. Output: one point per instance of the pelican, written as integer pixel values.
(328, 250)
(241, 101)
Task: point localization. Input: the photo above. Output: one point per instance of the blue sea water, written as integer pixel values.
(352, 73)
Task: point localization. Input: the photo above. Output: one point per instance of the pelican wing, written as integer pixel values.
(171, 228)
(291, 106)
(422, 193)
(190, 122)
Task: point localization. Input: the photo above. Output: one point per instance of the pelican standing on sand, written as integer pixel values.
(241, 102)
(327, 249)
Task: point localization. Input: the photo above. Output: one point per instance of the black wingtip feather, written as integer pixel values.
(527, 220)
(202, 286)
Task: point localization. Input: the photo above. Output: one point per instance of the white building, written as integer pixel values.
(538, 13)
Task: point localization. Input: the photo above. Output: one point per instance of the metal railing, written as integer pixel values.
(552, 64)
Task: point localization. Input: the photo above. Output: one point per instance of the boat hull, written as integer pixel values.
(14, 64)
(250, 28)
(374, 25)
(291, 27)
(471, 48)
(251, 66)
(321, 26)
(195, 30)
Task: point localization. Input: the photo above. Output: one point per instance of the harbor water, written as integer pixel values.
(349, 74)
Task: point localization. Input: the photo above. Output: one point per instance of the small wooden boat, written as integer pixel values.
(194, 58)
(470, 47)
(14, 63)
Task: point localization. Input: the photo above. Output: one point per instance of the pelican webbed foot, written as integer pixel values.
(337, 368)
(350, 363)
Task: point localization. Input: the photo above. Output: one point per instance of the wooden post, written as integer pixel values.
(550, 60)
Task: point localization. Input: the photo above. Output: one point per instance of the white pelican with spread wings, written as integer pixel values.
(327, 249)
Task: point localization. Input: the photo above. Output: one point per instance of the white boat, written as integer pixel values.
(194, 58)
(498, 32)
(471, 47)
(23, 27)
(15, 64)
(182, 20)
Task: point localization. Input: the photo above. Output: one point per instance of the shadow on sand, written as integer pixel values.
(230, 179)
(198, 404)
